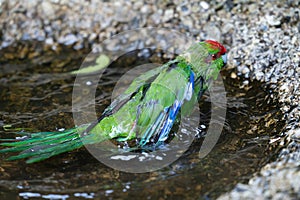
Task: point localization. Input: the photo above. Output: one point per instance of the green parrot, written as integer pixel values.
(144, 113)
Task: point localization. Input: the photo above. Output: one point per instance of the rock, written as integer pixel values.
(47, 10)
(188, 22)
(273, 20)
(145, 9)
(184, 10)
(168, 15)
(259, 76)
(212, 32)
(204, 5)
(233, 75)
(123, 14)
(26, 36)
(295, 134)
(245, 70)
(69, 39)
(49, 41)
(156, 17)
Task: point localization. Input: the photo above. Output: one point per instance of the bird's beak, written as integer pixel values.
(224, 58)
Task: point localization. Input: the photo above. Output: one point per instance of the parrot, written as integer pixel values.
(145, 112)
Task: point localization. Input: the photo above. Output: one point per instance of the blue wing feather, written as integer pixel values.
(163, 136)
(164, 122)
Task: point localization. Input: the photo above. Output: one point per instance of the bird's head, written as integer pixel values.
(216, 53)
(206, 58)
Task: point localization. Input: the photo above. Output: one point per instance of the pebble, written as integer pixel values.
(168, 15)
(212, 32)
(188, 22)
(68, 39)
(284, 88)
(245, 70)
(272, 20)
(204, 5)
(233, 75)
(184, 10)
(296, 135)
(25, 36)
(145, 9)
(47, 10)
(259, 76)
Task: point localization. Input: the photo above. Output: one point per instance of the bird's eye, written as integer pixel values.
(213, 56)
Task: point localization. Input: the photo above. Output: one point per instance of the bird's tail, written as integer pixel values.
(42, 145)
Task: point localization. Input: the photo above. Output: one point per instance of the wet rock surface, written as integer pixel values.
(263, 39)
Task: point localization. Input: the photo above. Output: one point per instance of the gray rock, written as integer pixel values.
(212, 32)
(273, 20)
(204, 5)
(69, 39)
(47, 10)
(168, 15)
(49, 41)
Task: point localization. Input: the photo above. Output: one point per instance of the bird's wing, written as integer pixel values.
(141, 83)
(162, 106)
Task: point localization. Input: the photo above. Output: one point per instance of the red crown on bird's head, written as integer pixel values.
(216, 45)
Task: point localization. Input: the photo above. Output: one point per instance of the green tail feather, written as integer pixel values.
(42, 145)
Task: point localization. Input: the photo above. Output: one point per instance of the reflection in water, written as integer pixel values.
(37, 94)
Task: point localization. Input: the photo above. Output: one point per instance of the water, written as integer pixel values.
(37, 93)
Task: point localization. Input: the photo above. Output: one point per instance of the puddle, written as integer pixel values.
(35, 94)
